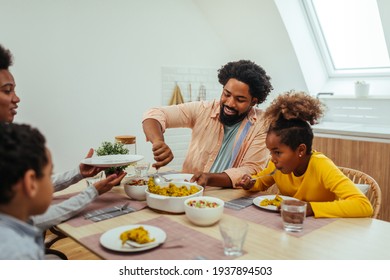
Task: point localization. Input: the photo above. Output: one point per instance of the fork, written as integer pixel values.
(123, 207)
(270, 174)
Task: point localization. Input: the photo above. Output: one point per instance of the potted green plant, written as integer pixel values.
(116, 148)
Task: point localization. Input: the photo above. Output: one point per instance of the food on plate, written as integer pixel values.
(171, 190)
(202, 204)
(139, 235)
(275, 202)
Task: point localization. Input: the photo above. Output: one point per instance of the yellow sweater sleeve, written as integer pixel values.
(330, 193)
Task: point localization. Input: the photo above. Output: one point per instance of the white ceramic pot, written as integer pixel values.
(362, 89)
(171, 204)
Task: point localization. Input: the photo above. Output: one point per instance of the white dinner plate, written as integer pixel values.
(112, 160)
(257, 200)
(179, 177)
(111, 238)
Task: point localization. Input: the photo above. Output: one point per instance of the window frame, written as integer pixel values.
(322, 46)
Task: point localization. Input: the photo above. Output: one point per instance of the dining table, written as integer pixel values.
(320, 239)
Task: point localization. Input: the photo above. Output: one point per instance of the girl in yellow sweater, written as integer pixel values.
(299, 171)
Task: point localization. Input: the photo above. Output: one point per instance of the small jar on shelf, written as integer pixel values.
(129, 141)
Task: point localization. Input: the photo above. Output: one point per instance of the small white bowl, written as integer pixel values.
(135, 190)
(204, 216)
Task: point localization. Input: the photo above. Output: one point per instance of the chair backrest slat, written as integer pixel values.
(374, 193)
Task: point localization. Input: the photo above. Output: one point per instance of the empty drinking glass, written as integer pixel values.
(233, 234)
(141, 169)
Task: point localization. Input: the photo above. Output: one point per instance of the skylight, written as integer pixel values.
(350, 36)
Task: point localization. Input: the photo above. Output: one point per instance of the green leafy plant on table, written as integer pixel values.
(108, 148)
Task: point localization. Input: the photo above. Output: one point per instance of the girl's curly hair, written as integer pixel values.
(290, 115)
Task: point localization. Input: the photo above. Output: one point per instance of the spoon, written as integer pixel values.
(158, 179)
(140, 245)
(270, 174)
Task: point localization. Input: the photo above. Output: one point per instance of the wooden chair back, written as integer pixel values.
(373, 194)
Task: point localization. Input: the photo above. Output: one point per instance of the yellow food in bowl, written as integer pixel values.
(139, 235)
(275, 202)
(171, 190)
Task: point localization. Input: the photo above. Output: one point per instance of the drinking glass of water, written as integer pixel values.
(141, 169)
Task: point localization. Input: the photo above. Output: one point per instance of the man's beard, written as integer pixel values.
(231, 119)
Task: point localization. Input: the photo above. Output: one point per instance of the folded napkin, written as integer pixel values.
(107, 213)
(239, 203)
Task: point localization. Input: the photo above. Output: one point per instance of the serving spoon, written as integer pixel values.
(158, 179)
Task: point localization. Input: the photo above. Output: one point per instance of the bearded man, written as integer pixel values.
(228, 136)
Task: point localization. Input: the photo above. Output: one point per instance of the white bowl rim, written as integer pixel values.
(129, 186)
(205, 197)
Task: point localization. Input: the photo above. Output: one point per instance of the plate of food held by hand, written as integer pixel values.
(271, 202)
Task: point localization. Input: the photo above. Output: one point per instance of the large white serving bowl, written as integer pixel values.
(136, 188)
(204, 216)
(171, 204)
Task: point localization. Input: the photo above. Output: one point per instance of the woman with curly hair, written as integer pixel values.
(299, 171)
(228, 135)
(8, 98)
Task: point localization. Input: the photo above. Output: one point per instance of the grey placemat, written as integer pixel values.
(239, 203)
(191, 245)
(107, 213)
(107, 200)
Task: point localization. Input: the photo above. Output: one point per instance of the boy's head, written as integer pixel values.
(25, 170)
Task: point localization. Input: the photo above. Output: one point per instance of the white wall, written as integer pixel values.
(253, 29)
(87, 70)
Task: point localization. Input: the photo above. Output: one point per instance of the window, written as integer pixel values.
(350, 36)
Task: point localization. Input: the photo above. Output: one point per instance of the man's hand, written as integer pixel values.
(246, 183)
(161, 151)
(162, 154)
(200, 178)
(212, 179)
